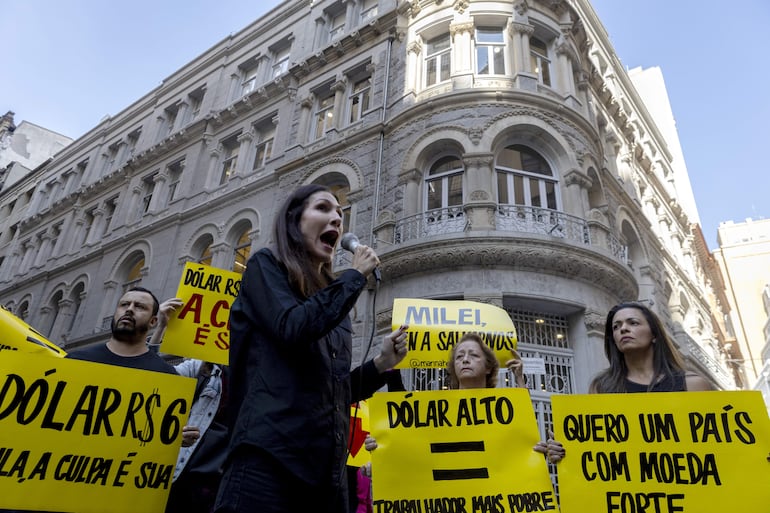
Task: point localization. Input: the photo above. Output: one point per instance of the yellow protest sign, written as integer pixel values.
(359, 429)
(689, 452)
(17, 335)
(459, 451)
(86, 437)
(436, 326)
(201, 328)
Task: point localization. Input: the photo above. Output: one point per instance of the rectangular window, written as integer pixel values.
(358, 102)
(437, 60)
(230, 146)
(368, 10)
(109, 211)
(195, 100)
(324, 115)
(174, 177)
(169, 120)
(490, 51)
(539, 62)
(148, 188)
(336, 25)
(281, 61)
(264, 147)
(249, 72)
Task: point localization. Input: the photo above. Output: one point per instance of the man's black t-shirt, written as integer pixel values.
(101, 354)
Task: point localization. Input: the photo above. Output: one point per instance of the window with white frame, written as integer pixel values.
(195, 101)
(264, 149)
(169, 120)
(369, 10)
(148, 189)
(324, 112)
(175, 170)
(281, 60)
(249, 76)
(437, 60)
(490, 51)
(444, 196)
(241, 251)
(109, 212)
(336, 24)
(525, 178)
(230, 147)
(358, 99)
(539, 61)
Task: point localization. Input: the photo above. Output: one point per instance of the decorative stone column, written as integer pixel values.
(523, 75)
(411, 182)
(305, 115)
(384, 230)
(413, 66)
(480, 206)
(339, 87)
(245, 141)
(462, 49)
(215, 152)
(576, 194)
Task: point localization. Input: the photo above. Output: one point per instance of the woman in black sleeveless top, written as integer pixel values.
(642, 357)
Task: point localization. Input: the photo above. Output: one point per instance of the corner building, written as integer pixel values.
(492, 151)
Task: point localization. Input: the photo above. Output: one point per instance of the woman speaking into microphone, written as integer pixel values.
(290, 359)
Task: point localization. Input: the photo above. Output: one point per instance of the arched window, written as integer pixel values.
(444, 184)
(202, 249)
(242, 251)
(134, 276)
(23, 311)
(52, 314)
(77, 299)
(444, 196)
(525, 178)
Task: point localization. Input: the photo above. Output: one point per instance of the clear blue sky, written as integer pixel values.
(65, 65)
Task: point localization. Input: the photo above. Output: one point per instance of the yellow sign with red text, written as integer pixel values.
(201, 328)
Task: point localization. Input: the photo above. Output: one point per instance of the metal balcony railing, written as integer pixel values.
(522, 218)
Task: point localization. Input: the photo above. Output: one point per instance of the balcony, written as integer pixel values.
(506, 236)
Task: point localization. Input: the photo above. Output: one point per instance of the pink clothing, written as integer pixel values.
(364, 492)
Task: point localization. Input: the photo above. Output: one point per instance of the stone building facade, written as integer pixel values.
(492, 151)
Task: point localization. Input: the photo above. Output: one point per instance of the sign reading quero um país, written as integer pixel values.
(688, 452)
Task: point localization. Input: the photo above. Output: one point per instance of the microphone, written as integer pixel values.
(349, 242)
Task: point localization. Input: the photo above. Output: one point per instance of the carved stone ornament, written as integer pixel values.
(590, 268)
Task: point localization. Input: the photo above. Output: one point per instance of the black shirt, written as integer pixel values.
(150, 360)
(670, 383)
(291, 385)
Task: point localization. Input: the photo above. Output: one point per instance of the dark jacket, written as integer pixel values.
(290, 361)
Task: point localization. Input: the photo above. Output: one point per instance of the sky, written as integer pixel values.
(67, 64)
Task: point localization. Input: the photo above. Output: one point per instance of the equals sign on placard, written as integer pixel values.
(459, 473)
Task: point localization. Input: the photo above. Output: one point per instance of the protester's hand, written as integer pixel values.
(364, 260)
(189, 435)
(167, 308)
(393, 350)
(366, 469)
(516, 366)
(370, 443)
(554, 450)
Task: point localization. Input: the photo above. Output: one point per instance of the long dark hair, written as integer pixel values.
(667, 361)
(290, 248)
(489, 357)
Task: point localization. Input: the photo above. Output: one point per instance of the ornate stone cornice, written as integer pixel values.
(522, 28)
(575, 177)
(583, 264)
